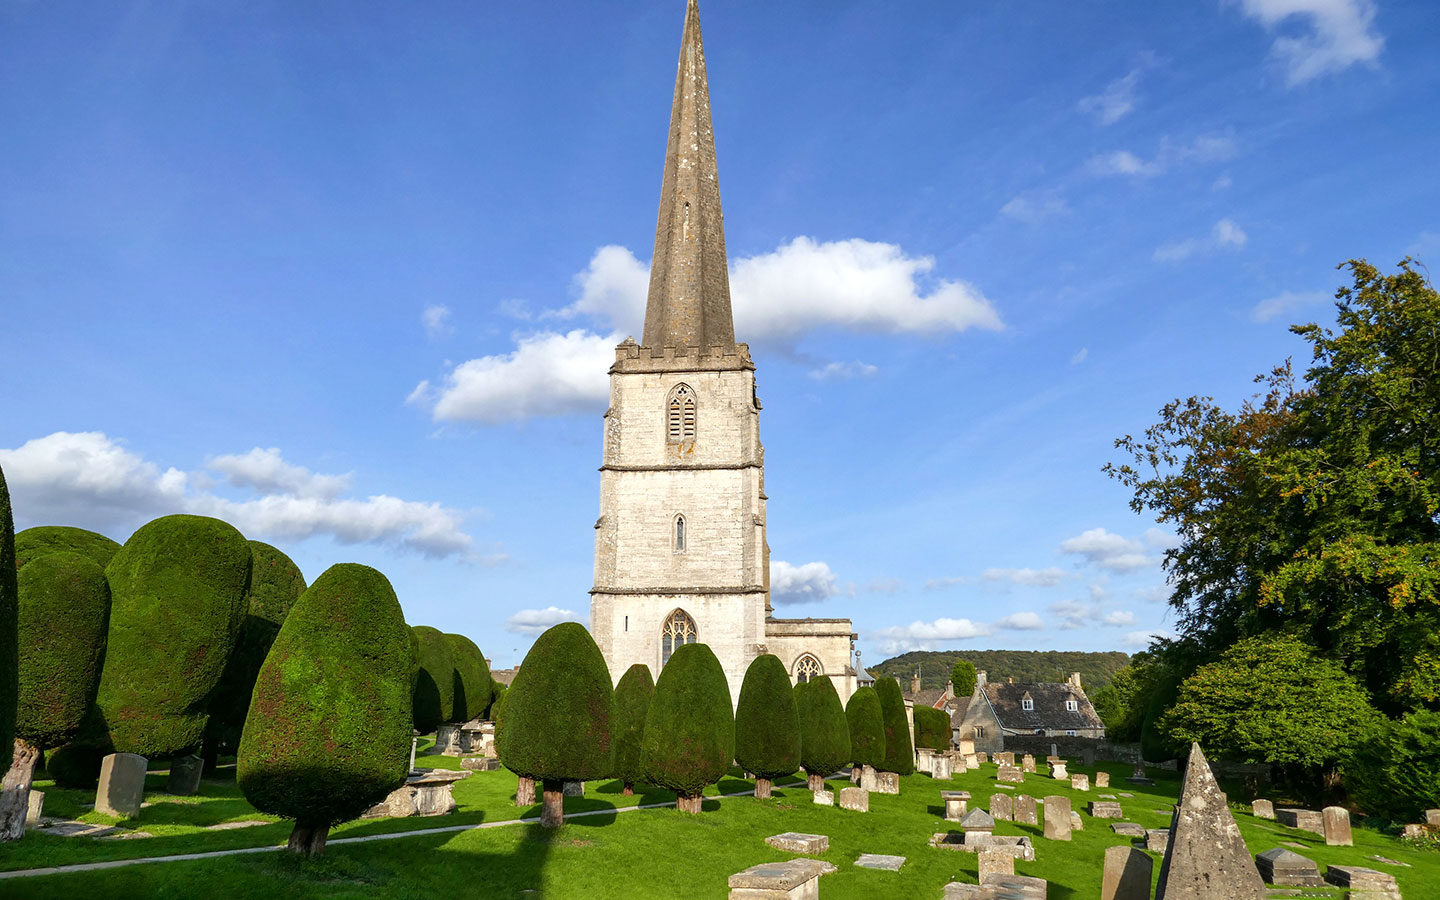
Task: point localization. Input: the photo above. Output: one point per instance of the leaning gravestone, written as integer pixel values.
(1337, 826)
(1057, 818)
(1262, 809)
(122, 785)
(1002, 807)
(1025, 810)
(1127, 874)
(1205, 856)
(1076, 823)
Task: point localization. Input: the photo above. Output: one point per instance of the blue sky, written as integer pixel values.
(348, 274)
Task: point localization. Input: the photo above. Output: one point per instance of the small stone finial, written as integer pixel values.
(1205, 856)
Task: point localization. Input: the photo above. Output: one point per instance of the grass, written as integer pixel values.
(651, 853)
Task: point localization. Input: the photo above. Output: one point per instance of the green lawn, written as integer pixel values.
(657, 853)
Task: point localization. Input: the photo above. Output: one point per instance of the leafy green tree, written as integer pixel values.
(557, 716)
(932, 728)
(1313, 509)
(899, 754)
(824, 731)
(962, 676)
(328, 733)
(690, 731)
(1396, 771)
(1272, 700)
(43, 539)
(64, 610)
(434, 699)
(177, 601)
(867, 728)
(9, 657)
(627, 725)
(1122, 703)
(473, 685)
(937, 666)
(767, 727)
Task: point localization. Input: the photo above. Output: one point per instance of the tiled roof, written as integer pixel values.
(958, 707)
(930, 697)
(1049, 702)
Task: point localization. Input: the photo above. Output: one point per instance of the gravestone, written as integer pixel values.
(854, 798)
(1304, 819)
(868, 777)
(1127, 874)
(924, 759)
(1262, 809)
(1057, 818)
(1057, 771)
(977, 821)
(1359, 878)
(1025, 811)
(1137, 774)
(184, 778)
(1005, 759)
(824, 798)
(1010, 774)
(972, 761)
(34, 808)
(982, 757)
(1076, 823)
(1336, 821)
(798, 842)
(1079, 782)
(941, 768)
(1027, 763)
(122, 785)
(995, 862)
(1432, 817)
(880, 861)
(573, 789)
(887, 783)
(1205, 856)
(480, 764)
(1087, 756)
(1002, 807)
(1288, 868)
(447, 740)
(1102, 779)
(426, 792)
(955, 802)
(1128, 829)
(1157, 839)
(793, 879)
(1106, 809)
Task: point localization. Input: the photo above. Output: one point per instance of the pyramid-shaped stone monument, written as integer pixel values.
(1206, 858)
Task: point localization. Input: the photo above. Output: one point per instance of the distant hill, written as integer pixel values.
(1095, 669)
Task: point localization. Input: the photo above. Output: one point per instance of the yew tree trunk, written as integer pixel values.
(15, 791)
(525, 792)
(552, 813)
(762, 788)
(689, 804)
(308, 840)
(817, 783)
(628, 790)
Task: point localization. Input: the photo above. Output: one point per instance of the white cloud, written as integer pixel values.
(1080, 356)
(1336, 34)
(926, 635)
(1169, 155)
(1143, 639)
(841, 370)
(1072, 614)
(1118, 618)
(1034, 207)
(809, 582)
(548, 374)
(1021, 621)
(1115, 102)
(612, 288)
(436, 320)
(1108, 551)
(1028, 577)
(1286, 303)
(535, 621)
(1224, 234)
(1222, 183)
(92, 481)
(1158, 593)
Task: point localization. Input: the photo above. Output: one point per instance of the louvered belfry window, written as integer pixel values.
(680, 415)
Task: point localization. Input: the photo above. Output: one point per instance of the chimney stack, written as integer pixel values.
(915, 683)
(1074, 681)
(980, 679)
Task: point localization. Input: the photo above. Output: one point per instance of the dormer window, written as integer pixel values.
(1027, 704)
(1072, 705)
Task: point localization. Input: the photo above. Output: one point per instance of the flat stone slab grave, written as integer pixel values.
(880, 861)
(231, 826)
(1285, 867)
(794, 879)
(1359, 878)
(1129, 829)
(1018, 847)
(798, 842)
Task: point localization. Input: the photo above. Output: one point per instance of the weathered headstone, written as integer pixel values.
(982, 757)
(1359, 878)
(1432, 817)
(1127, 874)
(941, 768)
(1005, 759)
(1311, 820)
(1137, 774)
(824, 798)
(924, 759)
(1262, 809)
(887, 783)
(880, 861)
(955, 802)
(184, 778)
(34, 808)
(1106, 809)
(1010, 774)
(1057, 818)
(1025, 810)
(573, 789)
(978, 821)
(1079, 782)
(1027, 763)
(798, 842)
(972, 761)
(1157, 839)
(1102, 779)
(480, 764)
(868, 777)
(854, 798)
(793, 879)
(122, 785)
(1058, 771)
(1128, 829)
(1002, 807)
(995, 862)
(1205, 856)
(1087, 756)
(1337, 826)
(447, 740)
(1288, 868)
(1076, 823)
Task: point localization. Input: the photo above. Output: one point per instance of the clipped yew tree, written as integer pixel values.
(867, 728)
(63, 611)
(824, 733)
(689, 737)
(932, 728)
(472, 683)
(43, 539)
(899, 755)
(557, 716)
(276, 583)
(9, 663)
(328, 731)
(767, 727)
(434, 699)
(627, 725)
(177, 600)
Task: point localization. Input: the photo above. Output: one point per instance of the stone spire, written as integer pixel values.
(1205, 857)
(689, 301)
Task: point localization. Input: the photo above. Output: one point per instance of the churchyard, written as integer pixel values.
(658, 852)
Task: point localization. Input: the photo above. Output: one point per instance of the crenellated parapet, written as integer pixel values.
(631, 357)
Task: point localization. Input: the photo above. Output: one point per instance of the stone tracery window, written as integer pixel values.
(680, 415)
(806, 668)
(679, 630)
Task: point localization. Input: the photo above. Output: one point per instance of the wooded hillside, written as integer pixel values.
(1095, 669)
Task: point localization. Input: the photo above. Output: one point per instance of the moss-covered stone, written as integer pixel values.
(9, 659)
(177, 601)
(557, 711)
(627, 725)
(43, 539)
(932, 728)
(824, 733)
(64, 613)
(767, 727)
(473, 685)
(434, 698)
(328, 731)
(689, 737)
(899, 754)
(867, 728)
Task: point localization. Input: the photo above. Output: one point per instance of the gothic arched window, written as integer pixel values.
(679, 533)
(806, 668)
(679, 630)
(680, 415)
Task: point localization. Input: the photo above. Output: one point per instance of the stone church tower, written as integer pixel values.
(680, 549)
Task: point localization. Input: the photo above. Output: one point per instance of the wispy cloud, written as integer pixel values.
(1169, 155)
(810, 582)
(1080, 356)
(1334, 34)
(1028, 577)
(436, 320)
(1035, 206)
(927, 635)
(1108, 551)
(1143, 639)
(1116, 101)
(531, 622)
(1225, 234)
(839, 371)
